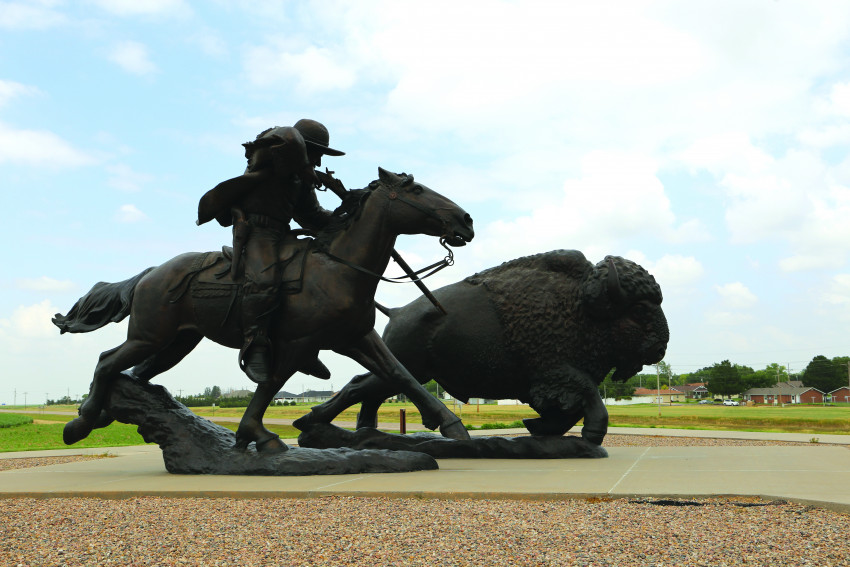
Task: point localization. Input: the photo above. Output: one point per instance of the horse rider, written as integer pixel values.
(278, 186)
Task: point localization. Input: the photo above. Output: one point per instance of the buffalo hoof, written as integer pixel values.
(592, 436)
(271, 446)
(455, 430)
(76, 429)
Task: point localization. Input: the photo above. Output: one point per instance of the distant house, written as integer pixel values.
(791, 392)
(667, 396)
(840, 395)
(314, 396)
(695, 391)
(284, 396)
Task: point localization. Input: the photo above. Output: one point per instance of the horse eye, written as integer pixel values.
(417, 189)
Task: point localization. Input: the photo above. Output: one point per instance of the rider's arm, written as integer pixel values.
(309, 213)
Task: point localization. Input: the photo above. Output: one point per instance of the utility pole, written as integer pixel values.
(658, 386)
(25, 399)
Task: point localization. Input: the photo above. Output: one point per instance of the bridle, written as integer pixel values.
(428, 271)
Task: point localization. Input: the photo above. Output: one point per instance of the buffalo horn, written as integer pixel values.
(615, 291)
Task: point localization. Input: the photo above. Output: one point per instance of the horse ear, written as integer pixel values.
(386, 177)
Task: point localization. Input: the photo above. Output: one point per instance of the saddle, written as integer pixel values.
(210, 282)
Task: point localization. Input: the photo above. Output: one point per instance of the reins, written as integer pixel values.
(449, 260)
(413, 277)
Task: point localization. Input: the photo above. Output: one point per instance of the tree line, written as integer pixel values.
(727, 379)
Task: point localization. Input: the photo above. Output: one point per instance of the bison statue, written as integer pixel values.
(544, 329)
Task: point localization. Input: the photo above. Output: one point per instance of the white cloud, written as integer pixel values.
(727, 318)
(736, 295)
(31, 15)
(839, 100)
(145, 8)
(618, 198)
(796, 203)
(724, 152)
(133, 57)
(29, 147)
(45, 283)
(839, 290)
(210, 43)
(11, 89)
(675, 271)
(130, 214)
(807, 263)
(124, 178)
(312, 69)
(30, 322)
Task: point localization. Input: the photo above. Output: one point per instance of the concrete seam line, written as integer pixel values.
(625, 474)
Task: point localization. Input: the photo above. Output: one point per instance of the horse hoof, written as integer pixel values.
(305, 422)
(271, 446)
(454, 430)
(75, 430)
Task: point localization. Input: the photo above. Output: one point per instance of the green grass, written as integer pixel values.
(39, 437)
(13, 420)
(29, 436)
(791, 418)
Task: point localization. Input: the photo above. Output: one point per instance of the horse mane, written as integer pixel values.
(351, 207)
(342, 217)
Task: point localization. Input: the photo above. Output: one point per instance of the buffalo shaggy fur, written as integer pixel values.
(544, 329)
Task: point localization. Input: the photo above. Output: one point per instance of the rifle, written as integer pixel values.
(327, 179)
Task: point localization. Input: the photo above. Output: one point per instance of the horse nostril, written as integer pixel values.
(468, 220)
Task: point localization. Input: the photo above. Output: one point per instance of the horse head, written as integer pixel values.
(416, 209)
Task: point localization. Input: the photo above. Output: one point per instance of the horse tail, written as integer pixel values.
(105, 303)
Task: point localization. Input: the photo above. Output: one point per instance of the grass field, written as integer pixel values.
(42, 434)
(39, 431)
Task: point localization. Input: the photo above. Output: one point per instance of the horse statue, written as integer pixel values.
(329, 304)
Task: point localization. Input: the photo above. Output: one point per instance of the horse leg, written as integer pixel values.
(169, 357)
(251, 426)
(364, 388)
(111, 363)
(372, 353)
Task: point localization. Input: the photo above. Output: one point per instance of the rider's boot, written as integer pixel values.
(255, 357)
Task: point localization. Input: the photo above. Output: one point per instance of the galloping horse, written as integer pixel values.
(334, 309)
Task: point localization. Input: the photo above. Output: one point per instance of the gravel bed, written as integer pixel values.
(384, 531)
(660, 441)
(29, 462)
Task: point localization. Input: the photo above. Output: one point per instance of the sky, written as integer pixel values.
(707, 141)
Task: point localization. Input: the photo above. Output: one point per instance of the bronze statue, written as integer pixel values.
(544, 329)
(277, 187)
(331, 283)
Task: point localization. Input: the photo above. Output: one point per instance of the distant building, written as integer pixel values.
(667, 396)
(284, 396)
(791, 392)
(314, 396)
(841, 395)
(695, 391)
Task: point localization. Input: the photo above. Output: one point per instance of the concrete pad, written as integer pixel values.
(808, 473)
